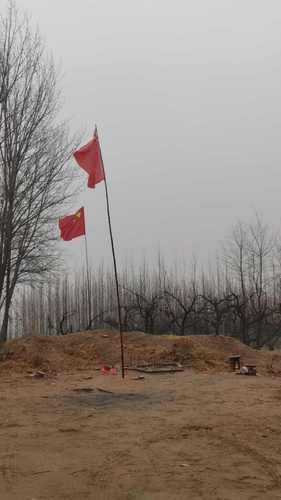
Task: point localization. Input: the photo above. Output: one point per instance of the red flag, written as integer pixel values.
(89, 158)
(72, 225)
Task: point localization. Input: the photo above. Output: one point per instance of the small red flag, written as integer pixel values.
(89, 158)
(72, 225)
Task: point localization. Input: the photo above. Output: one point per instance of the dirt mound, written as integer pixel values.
(85, 350)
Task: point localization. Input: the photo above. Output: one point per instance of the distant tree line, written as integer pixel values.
(239, 296)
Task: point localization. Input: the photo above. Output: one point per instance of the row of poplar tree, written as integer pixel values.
(240, 295)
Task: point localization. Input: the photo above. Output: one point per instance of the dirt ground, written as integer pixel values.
(83, 350)
(167, 437)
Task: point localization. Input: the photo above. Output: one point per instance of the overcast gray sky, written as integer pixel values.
(186, 95)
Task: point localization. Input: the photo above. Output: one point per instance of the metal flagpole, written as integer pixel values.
(88, 281)
(115, 268)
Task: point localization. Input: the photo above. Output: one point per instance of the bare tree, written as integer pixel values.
(34, 147)
(260, 251)
(179, 307)
(216, 309)
(236, 258)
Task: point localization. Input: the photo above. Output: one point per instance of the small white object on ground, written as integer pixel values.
(244, 370)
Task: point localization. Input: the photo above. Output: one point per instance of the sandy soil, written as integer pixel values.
(168, 437)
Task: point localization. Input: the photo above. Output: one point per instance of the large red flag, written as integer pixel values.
(89, 158)
(72, 225)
